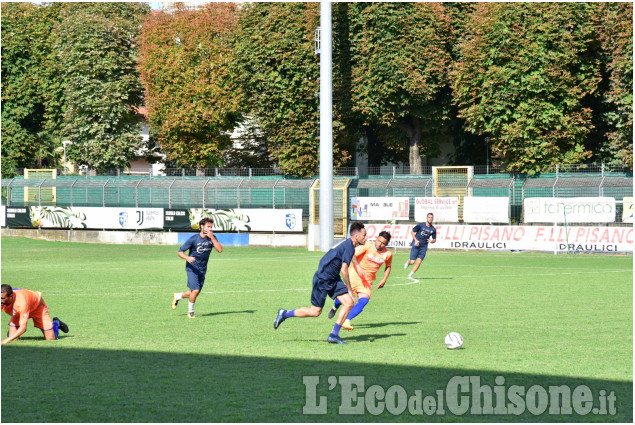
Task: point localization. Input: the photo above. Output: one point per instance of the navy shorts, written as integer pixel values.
(418, 251)
(322, 288)
(195, 281)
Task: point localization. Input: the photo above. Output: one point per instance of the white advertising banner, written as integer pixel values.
(516, 238)
(97, 218)
(627, 211)
(376, 208)
(486, 209)
(258, 220)
(570, 210)
(3, 216)
(250, 220)
(445, 210)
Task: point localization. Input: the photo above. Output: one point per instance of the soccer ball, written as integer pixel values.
(453, 340)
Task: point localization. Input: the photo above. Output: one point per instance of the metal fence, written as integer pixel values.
(279, 192)
(383, 171)
(162, 192)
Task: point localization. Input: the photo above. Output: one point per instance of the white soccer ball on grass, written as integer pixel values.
(453, 340)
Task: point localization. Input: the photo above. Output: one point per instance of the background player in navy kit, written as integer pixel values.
(326, 281)
(422, 234)
(199, 246)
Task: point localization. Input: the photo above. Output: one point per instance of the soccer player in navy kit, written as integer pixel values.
(199, 246)
(327, 281)
(422, 234)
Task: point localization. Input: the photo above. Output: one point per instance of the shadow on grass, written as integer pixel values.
(381, 325)
(81, 385)
(348, 338)
(371, 338)
(41, 338)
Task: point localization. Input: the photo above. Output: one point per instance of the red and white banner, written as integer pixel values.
(376, 208)
(512, 238)
(445, 210)
(486, 209)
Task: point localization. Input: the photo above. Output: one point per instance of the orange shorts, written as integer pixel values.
(360, 284)
(40, 316)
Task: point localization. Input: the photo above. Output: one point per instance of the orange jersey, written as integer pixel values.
(370, 260)
(25, 303)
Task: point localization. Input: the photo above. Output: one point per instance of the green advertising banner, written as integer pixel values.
(177, 220)
(19, 217)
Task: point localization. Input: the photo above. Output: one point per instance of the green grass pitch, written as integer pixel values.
(531, 318)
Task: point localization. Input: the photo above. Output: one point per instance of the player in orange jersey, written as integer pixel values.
(367, 261)
(22, 305)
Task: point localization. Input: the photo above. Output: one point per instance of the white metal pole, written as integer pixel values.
(326, 129)
(64, 143)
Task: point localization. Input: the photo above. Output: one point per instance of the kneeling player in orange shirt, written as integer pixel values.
(22, 305)
(368, 260)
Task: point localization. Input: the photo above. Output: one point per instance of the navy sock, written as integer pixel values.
(357, 308)
(56, 328)
(336, 329)
(289, 313)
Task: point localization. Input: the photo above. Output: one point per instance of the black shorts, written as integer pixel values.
(322, 288)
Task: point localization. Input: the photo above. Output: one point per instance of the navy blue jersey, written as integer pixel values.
(199, 248)
(423, 233)
(331, 263)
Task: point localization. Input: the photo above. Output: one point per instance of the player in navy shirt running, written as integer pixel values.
(327, 281)
(422, 235)
(199, 246)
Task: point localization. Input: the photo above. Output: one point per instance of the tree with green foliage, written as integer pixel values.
(401, 56)
(98, 56)
(250, 148)
(469, 148)
(274, 56)
(31, 117)
(274, 45)
(616, 32)
(192, 97)
(523, 74)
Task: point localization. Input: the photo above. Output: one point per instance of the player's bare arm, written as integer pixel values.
(385, 278)
(186, 257)
(16, 335)
(414, 236)
(217, 246)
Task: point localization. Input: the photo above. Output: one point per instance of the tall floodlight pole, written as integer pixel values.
(64, 143)
(326, 128)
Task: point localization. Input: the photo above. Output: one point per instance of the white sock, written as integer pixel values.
(190, 307)
(178, 296)
(410, 275)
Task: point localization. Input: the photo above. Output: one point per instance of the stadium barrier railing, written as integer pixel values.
(255, 188)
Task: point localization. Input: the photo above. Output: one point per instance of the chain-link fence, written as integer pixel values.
(270, 191)
(164, 192)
